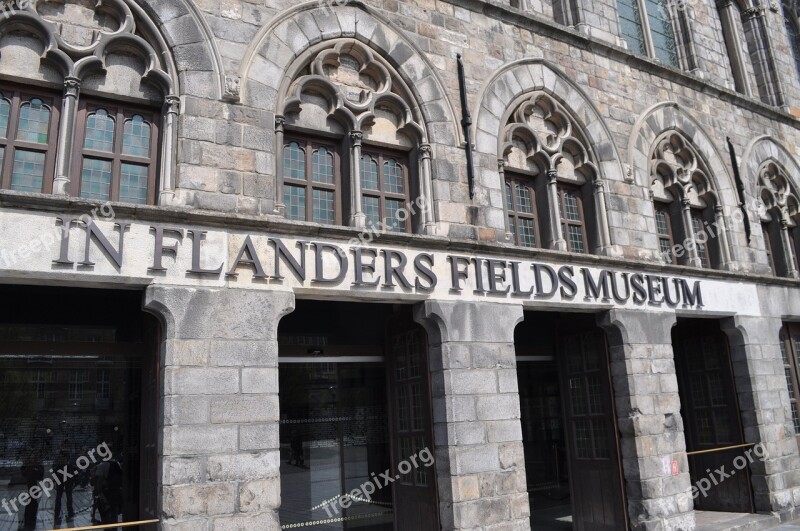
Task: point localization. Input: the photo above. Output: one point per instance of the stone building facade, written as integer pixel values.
(261, 200)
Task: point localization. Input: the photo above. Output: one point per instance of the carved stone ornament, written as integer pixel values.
(77, 51)
(541, 137)
(359, 89)
(776, 194)
(677, 171)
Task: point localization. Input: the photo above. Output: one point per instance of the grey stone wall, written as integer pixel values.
(477, 433)
(219, 444)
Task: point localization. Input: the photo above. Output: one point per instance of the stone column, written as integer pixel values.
(358, 218)
(69, 111)
(787, 247)
(601, 217)
(172, 106)
(761, 385)
(220, 464)
(649, 418)
(426, 190)
(509, 236)
(694, 256)
(559, 243)
(480, 464)
(722, 237)
(280, 207)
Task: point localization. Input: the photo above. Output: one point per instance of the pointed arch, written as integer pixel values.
(579, 144)
(272, 52)
(669, 116)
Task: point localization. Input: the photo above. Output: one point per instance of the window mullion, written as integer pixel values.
(646, 30)
(309, 186)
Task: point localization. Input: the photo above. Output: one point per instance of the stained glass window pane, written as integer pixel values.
(524, 202)
(527, 232)
(294, 197)
(575, 234)
(294, 162)
(571, 211)
(395, 216)
(661, 29)
(369, 173)
(323, 206)
(794, 36)
(28, 172)
(34, 121)
(393, 177)
(136, 137)
(372, 211)
(96, 179)
(666, 249)
(661, 223)
(133, 183)
(630, 23)
(99, 131)
(322, 166)
(5, 109)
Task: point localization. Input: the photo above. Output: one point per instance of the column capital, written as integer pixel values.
(72, 86)
(425, 151)
(599, 185)
(356, 137)
(552, 175)
(280, 121)
(173, 104)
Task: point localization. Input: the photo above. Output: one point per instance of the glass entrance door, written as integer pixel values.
(334, 438)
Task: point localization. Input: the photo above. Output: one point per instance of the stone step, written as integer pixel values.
(712, 521)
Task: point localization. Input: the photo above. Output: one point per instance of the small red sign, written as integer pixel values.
(674, 468)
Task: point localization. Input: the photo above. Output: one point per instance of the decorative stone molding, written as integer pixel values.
(540, 137)
(78, 57)
(264, 73)
(357, 86)
(232, 88)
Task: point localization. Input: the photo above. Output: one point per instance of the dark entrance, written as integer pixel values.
(79, 388)
(569, 424)
(710, 411)
(355, 404)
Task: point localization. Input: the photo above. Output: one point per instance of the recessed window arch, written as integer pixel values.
(551, 184)
(343, 90)
(689, 220)
(124, 60)
(780, 219)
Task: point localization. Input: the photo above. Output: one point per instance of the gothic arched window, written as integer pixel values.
(688, 216)
(346, 97)
(551, 183)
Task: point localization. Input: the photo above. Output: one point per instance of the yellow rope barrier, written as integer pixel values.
(720, 449)
(110, 526)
